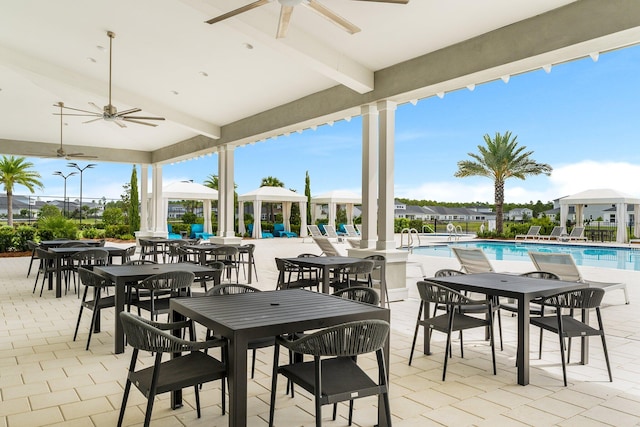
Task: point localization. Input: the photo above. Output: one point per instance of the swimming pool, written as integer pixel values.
(592, 256)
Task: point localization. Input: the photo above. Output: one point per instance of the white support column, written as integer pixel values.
(386, 146)
(159, 215)
(144, 197)
(226, 212)
(303, 219)
(369, 176)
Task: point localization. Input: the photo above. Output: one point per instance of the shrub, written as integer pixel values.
(49, 210)
(7, 233)
(127, 237)
(116, 231)
(113, 216)
(56, 227)
(189, 218)
(93, 233)
(22, 234)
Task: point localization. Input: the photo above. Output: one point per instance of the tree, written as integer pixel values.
(500, 160)
(211, 181)
(126, 201)
(16, 171)
(271, 181)
(307, 192)
(134, 210)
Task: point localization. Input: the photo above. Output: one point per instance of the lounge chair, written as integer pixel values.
(533, 233)
(279, 231)
(265, 234)
(564, 266)
(473, 260)
(314, 231)
(576, 234)
(330, 231)
(197, 232)
(171, 234)
(327, 246)
(359, 228)
(556, 233)
(351, 230)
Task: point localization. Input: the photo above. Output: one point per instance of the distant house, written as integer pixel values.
(519, 214)
(441, 213)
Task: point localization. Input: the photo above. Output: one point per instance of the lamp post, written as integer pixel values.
(64, 200)
(75, 165)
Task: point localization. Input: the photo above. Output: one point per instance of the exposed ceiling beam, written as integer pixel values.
(46, 74)
(298, 44)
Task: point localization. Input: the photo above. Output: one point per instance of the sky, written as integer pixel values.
(581, 118)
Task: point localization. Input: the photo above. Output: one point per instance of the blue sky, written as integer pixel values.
(581, 118)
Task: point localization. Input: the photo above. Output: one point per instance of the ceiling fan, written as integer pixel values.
(60, 151)
(109, 111)
(286, 10)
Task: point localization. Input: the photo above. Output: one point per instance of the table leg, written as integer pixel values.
(325, 279)
(58, 277)
(523, 340)
(120, 297)
(250, 266)
(237, 376)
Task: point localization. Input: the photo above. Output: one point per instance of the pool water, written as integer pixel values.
(591, 256)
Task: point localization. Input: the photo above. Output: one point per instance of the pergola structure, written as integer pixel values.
(603, 196)
(234, 83)
(334, 198)
(271, 195)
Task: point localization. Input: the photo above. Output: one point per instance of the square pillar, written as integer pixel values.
(386, 147)
(369, 176)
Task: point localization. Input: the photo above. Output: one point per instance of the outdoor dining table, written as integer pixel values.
(120, 275)
(521, 288)
(66, 252)
(326, 263)
(46, 244)
(202, 249)
(242, 317)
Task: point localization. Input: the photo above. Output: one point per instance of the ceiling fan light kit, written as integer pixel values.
(286, 10)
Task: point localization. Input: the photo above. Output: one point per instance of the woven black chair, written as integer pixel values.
(186, 370)
(98, 285)
(567, 326)
(229, 256)
(454, 319)
(380, 266)
(254, 344)
(128, 254)
(291, 276)
(356, 274)
(245, 256)
(46, 268)
(31, 245)
(159, 289)
(88, 258)
(360, 294)
(334, 375)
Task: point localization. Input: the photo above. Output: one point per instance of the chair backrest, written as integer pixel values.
(434, 293)
(361, 267)
(347, 339)
(231, 289)
(278, 227)
(561, 264)
(534, 230)
(360, 294)
(74, 245)
(92, 257)
(129, 252)
(197, 228)
(32, 245)
(580, 299)
(330, 230)
(224, 251)
(446, 272)
(557, 231)
(140, 262)
(541, 275)
(146, 335)
(89, 278)
(173, 281)
(326, 246)
(473, 260)
(577, 232)
(314, 230)
(350, 230)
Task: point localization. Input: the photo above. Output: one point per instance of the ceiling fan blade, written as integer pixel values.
(100, 110)
(79, 115)
(74, 109)
(119, 122)
(283, 24)
(138, 122)
(126, 112)
(332, 16)
(237, 11)
(388, 1)
(81, 156)
(94, 120)
(141, 118)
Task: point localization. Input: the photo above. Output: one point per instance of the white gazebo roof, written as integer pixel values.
(272, 194)
(188, 190)
(600, 196)
(338, 197)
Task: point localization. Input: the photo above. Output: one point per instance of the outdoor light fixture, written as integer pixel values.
(471, 87)
(547, 68)
(88, 166)
(440, 95)
(506, 78)
(64, 200)
(594, 56)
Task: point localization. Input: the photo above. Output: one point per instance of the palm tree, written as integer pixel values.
(271, 181)
(501, 159)
(15, 170)
(211, 181)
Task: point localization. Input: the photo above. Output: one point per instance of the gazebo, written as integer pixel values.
(333, 199)
(603, 197)
(272, 195)
(188, 190)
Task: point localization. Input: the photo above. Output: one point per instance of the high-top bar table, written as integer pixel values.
(120, 275)
(242, 317)
(521, 288)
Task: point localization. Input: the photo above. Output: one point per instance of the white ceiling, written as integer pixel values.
(318, 72)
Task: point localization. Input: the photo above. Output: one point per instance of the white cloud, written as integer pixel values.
(589, 174)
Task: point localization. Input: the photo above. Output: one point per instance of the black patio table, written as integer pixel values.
(66, 252)
(242, 317)
(326, 263)
(46, 244)
(523, 289)
(120, 275)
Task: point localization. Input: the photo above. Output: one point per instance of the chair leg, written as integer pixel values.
(564, 364)
(94, 318)
(274, 383)
(197, 392)
(253, 363)
(318, 390)
(415, 334)
(123, 406)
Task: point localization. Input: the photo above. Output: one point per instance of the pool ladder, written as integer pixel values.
(412, 241)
